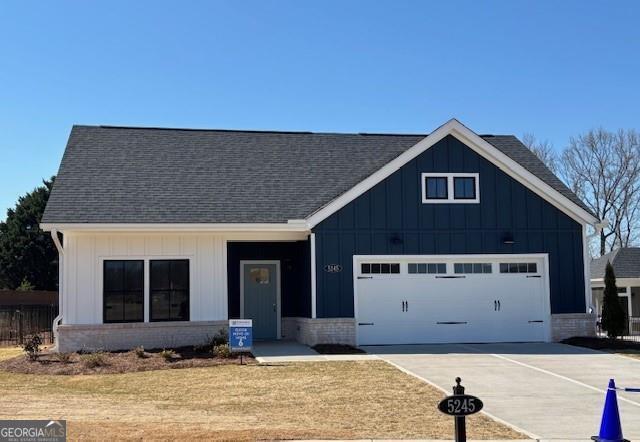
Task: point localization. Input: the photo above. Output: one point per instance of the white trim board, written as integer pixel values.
(297, 226)
(476, 143)
(278, 290)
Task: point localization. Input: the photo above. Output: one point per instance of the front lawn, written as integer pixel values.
(342, 400)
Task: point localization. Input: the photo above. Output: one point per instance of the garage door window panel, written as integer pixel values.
(427, 268)
(380, 268)
(470, 268)
(519, 267)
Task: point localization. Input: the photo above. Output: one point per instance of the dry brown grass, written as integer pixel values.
(340, 400)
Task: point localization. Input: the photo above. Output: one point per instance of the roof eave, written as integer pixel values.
(292, 226)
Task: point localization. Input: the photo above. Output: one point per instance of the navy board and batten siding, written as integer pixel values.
(391, 219)
(295, 273)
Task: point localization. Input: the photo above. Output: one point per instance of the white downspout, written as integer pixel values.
(58, 319)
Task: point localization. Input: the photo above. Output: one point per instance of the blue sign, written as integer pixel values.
(240, 334)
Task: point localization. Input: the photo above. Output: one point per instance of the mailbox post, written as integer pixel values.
(460, 421)
(460, 405)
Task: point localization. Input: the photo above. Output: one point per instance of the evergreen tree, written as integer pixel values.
(614, 320)
(28, 256)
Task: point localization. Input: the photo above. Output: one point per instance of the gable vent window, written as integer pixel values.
(450, 188)
(380, 268)
(429, 269)
(464, 188)
(436, 188)
(519, 267)
(470, 268)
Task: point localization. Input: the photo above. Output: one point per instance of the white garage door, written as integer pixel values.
(413, 300)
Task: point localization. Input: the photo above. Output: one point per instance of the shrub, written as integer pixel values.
(139, 351)
(220, 338)
(92, 360)
(32, 347)
(222, 351)
(65, 358)
(167, 355)
(614, 320)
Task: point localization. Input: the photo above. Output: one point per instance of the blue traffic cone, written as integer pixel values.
(610, 428)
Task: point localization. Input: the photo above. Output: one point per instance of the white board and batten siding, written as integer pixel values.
(86, 252)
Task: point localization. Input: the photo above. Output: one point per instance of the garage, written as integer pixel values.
(451, 299)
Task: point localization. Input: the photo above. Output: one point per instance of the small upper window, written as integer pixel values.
(436, 188)
(461, 188)
(464, 188)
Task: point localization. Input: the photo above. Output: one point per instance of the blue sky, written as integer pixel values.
(553, 68)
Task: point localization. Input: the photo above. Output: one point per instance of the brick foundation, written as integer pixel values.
(127, 336)
(320, 330)
(567, 325)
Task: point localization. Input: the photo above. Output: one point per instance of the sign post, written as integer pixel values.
(459, 406)
(240, 336)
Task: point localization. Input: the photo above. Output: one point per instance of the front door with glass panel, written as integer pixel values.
(260, 297)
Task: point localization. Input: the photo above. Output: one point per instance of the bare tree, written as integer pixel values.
(543, 150)
(603, 169)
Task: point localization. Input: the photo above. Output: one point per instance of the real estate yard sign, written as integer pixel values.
(240, 335)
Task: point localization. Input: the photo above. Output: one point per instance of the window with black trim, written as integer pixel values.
(519, 267)
(472, 267)
(169, 290)
(464, 188)
(427, 268)
(123, 291)
(380, 268)
(436, 188)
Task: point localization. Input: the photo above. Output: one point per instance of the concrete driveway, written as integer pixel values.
(548, 391)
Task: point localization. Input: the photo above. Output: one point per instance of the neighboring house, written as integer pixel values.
(626, 266)
(342, 238)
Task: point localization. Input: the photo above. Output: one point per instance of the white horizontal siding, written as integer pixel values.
(84, 254)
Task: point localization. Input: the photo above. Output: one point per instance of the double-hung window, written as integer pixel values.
(123, 291)
(450, 188)
(169, 290)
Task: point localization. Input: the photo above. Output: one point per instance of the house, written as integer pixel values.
(626, 267)
(165, 234)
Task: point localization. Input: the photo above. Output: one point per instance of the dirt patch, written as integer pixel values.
(337, 349)
(116, 362)
(603, 343)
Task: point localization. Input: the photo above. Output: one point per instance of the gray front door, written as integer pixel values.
(260, 298)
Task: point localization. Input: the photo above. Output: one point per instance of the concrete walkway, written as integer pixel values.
(290, 351)
(548, 391)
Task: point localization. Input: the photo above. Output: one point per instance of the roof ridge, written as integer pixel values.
(252, 131)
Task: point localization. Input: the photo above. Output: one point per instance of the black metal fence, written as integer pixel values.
(632, 333)
(18, 322)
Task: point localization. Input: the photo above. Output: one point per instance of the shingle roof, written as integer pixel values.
(625, 262)
(153, 175)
